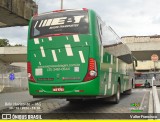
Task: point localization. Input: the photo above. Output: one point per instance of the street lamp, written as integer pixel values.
(61, 4)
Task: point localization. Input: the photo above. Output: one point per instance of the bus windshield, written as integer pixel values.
(67, 22)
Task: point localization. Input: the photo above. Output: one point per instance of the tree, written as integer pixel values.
(18, 45)
(4, 43)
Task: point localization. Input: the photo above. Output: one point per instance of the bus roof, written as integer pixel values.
(61, 10)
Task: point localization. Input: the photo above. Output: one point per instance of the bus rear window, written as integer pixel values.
(68, 22)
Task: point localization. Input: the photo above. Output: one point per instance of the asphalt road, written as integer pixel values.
(137, 103)
(14, 97)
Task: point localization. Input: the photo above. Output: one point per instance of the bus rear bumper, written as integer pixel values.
(82, 89)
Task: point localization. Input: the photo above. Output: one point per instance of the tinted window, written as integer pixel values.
(60, 23)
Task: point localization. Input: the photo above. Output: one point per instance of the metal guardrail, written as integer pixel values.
(156, 102)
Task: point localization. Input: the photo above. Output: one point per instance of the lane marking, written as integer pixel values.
(86, 43)
(142, 100)
(36, 40)
(67, 37)
(68, 50)
(59, 50)
(76, 38)
(54, 55)
(81, 56)
(42, 51)
(144, 90)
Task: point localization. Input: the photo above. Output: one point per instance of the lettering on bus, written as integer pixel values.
(61, 67)
(59, 21)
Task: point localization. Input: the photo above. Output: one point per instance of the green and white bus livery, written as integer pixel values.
(72, 54)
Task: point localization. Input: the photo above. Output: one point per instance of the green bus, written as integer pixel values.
(72, 54)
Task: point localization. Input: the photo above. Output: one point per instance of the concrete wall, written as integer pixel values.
(147, 65)
(19, 83)
(141, 39)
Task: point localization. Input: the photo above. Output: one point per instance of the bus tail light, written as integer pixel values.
(29, 71)
(92, 70)
(84, 9)
(58, 11)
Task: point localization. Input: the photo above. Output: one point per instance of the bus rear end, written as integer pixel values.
(60, 62)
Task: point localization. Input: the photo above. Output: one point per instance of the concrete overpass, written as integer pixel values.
(16, 12)
(13, 54)
(143, 47)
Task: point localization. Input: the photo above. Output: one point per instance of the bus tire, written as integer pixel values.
(116, 97)
(74, 100)
(128, 92)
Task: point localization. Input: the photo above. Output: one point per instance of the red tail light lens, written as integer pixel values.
(92, 70)
(58, 10)
(29, 71)
(84, 9)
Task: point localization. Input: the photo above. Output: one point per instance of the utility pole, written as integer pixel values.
(61, 4)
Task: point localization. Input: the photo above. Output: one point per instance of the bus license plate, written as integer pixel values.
(58, 89)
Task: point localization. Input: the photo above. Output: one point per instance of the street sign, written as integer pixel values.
(154, 57)
(11, 76)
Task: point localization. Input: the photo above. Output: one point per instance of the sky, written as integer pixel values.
(126, 17)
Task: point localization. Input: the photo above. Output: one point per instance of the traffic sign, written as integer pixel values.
(154, 57)
(11, 76)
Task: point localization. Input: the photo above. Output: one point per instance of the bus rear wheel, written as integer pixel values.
(116, 97)
(74, 100)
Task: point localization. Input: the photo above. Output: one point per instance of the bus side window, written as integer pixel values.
(99, 29)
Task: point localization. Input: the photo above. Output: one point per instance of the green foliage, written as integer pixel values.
(4, 43)
(18, 45)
